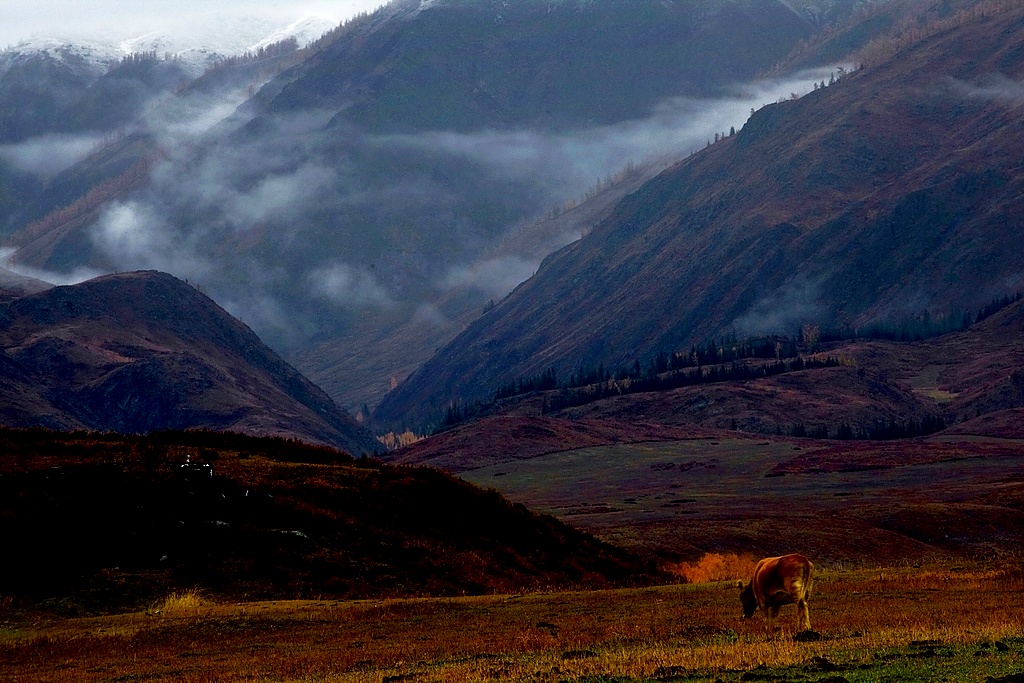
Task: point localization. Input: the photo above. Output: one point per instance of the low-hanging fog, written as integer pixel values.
(50, 154)
(302, 225)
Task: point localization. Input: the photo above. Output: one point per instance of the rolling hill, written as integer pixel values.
(100, 522)
(895, 190)
(138, 352)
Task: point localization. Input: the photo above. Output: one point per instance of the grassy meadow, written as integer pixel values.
(839, 503)
(953, 623)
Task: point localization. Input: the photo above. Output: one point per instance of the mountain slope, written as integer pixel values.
(972, 379)
(65, 88)
(958, 376)
(463, 66)
(143, 351)
(13, 285)
(94, 135)
(896, 189)
(363, 181)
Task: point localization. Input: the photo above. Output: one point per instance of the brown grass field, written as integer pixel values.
(886, 503)
(959, 623)
(934, 594)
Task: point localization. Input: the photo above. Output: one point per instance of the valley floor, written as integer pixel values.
(839, 502)
(952, 623)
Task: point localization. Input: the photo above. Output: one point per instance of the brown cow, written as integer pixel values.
(779, 581)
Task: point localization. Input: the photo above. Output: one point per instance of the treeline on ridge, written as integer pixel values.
(918, 328)
(711, 362)
(732, 372)
(720, 360)
(727, 350)
(882, 431)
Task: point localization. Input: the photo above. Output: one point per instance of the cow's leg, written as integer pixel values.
(803, 616)
(771, 613)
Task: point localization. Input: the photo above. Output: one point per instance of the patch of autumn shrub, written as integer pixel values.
(715, 567)
(189, 603)
(393, 441)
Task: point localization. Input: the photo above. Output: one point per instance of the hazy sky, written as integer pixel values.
(122, 19)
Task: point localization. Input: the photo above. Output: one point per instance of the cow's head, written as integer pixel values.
(747, 598)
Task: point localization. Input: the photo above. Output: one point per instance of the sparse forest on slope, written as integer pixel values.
(968, 382)
(895, 190)
(58, 106)
(872, 28)
(41, 208)
(733, 361)
(67, 90)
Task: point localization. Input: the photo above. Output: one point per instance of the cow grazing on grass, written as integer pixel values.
(779, 581)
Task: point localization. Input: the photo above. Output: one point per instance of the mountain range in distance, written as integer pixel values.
(363, 239)
(364, 197)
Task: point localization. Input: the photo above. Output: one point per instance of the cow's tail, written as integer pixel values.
(808, 578)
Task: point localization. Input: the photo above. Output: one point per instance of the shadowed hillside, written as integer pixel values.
(461, 65)
(99, 522)
(143, 351)
(893, 190)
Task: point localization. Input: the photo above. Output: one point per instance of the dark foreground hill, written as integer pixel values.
(98, 522)
(894, 190)
(138, 352)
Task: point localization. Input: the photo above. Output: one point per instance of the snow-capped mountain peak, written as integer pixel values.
(91, 53)
(196, 48)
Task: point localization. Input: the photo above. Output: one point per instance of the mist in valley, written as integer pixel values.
(325, 238)
(279, 193)
(303, 223)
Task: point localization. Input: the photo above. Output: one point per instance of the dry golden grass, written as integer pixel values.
(634, 634)
(189, 603)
